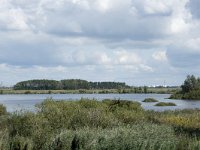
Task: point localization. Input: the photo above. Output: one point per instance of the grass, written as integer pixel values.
(119, 138)
(165, 104)
(150, 100)
(94, 91)
(163, 90)
(98, 125)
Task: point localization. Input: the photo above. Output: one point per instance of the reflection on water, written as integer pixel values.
(18, 102)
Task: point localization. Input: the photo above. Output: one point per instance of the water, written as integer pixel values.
(18, 102)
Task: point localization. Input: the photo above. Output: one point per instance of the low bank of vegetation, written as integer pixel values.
(165, 104)
(78, 86)
(149, 100)
(132, 90)
(98, 125)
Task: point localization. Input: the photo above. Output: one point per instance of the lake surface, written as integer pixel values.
(18, 102)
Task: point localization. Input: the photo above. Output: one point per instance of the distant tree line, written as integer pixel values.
(70, 84)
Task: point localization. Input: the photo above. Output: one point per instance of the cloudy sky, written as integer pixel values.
(140, 42)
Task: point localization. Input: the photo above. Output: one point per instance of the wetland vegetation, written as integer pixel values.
(149, 100)
(190, 89)
(101, 125)
(165, 104)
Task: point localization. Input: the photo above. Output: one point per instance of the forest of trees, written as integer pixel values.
(70, 84)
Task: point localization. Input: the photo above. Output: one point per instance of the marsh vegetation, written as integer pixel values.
(165, 104)
(90, 124)
(149, 100)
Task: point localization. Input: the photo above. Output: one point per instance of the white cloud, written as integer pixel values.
(127, 58)
(117, 57)
(146, 68)
(154, 6)
(13, 19)
(118, 38)
(178, 25)
(160, 56)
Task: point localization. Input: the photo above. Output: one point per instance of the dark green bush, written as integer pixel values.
(123, 104)
(27, 92)
(20, 143)
(165, 104)
(150, 100)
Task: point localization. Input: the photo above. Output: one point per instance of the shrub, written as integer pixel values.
(165, 104)
(20, 143)
(150, 100)
(27, 92)
(4, 139)
(123, 104)
(3, 110)
(72, 115)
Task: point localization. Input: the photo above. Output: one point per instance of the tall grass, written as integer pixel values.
(95, 125)
(138, 136)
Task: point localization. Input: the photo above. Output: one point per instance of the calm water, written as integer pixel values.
(18, 102)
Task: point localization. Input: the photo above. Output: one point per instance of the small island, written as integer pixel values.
(149, 100)
(165, 104)
(190, 90)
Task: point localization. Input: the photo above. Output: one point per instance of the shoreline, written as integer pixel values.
(90, 91)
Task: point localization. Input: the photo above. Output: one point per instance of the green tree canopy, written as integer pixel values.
(191, 83)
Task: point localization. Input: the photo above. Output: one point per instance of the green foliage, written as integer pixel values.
(165, 104)
(73, 84)
(1, 91)
(38, 85)
(177, 95)
(3, 110)
(122, 104)
(191, 83)
(70, 84)
(150, 100)
(27, 92)
(73, 115)
(190, 89)
(192, 95)
(138, 136)
(99, 125)
(183, 121)
(20, 143)
(4, 139)
(145, 89)
(126, 111)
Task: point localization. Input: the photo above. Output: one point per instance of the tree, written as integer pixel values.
(69, 84)
(145, 89)
(191, 83)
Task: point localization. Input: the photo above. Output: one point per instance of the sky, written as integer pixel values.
(140, 42)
